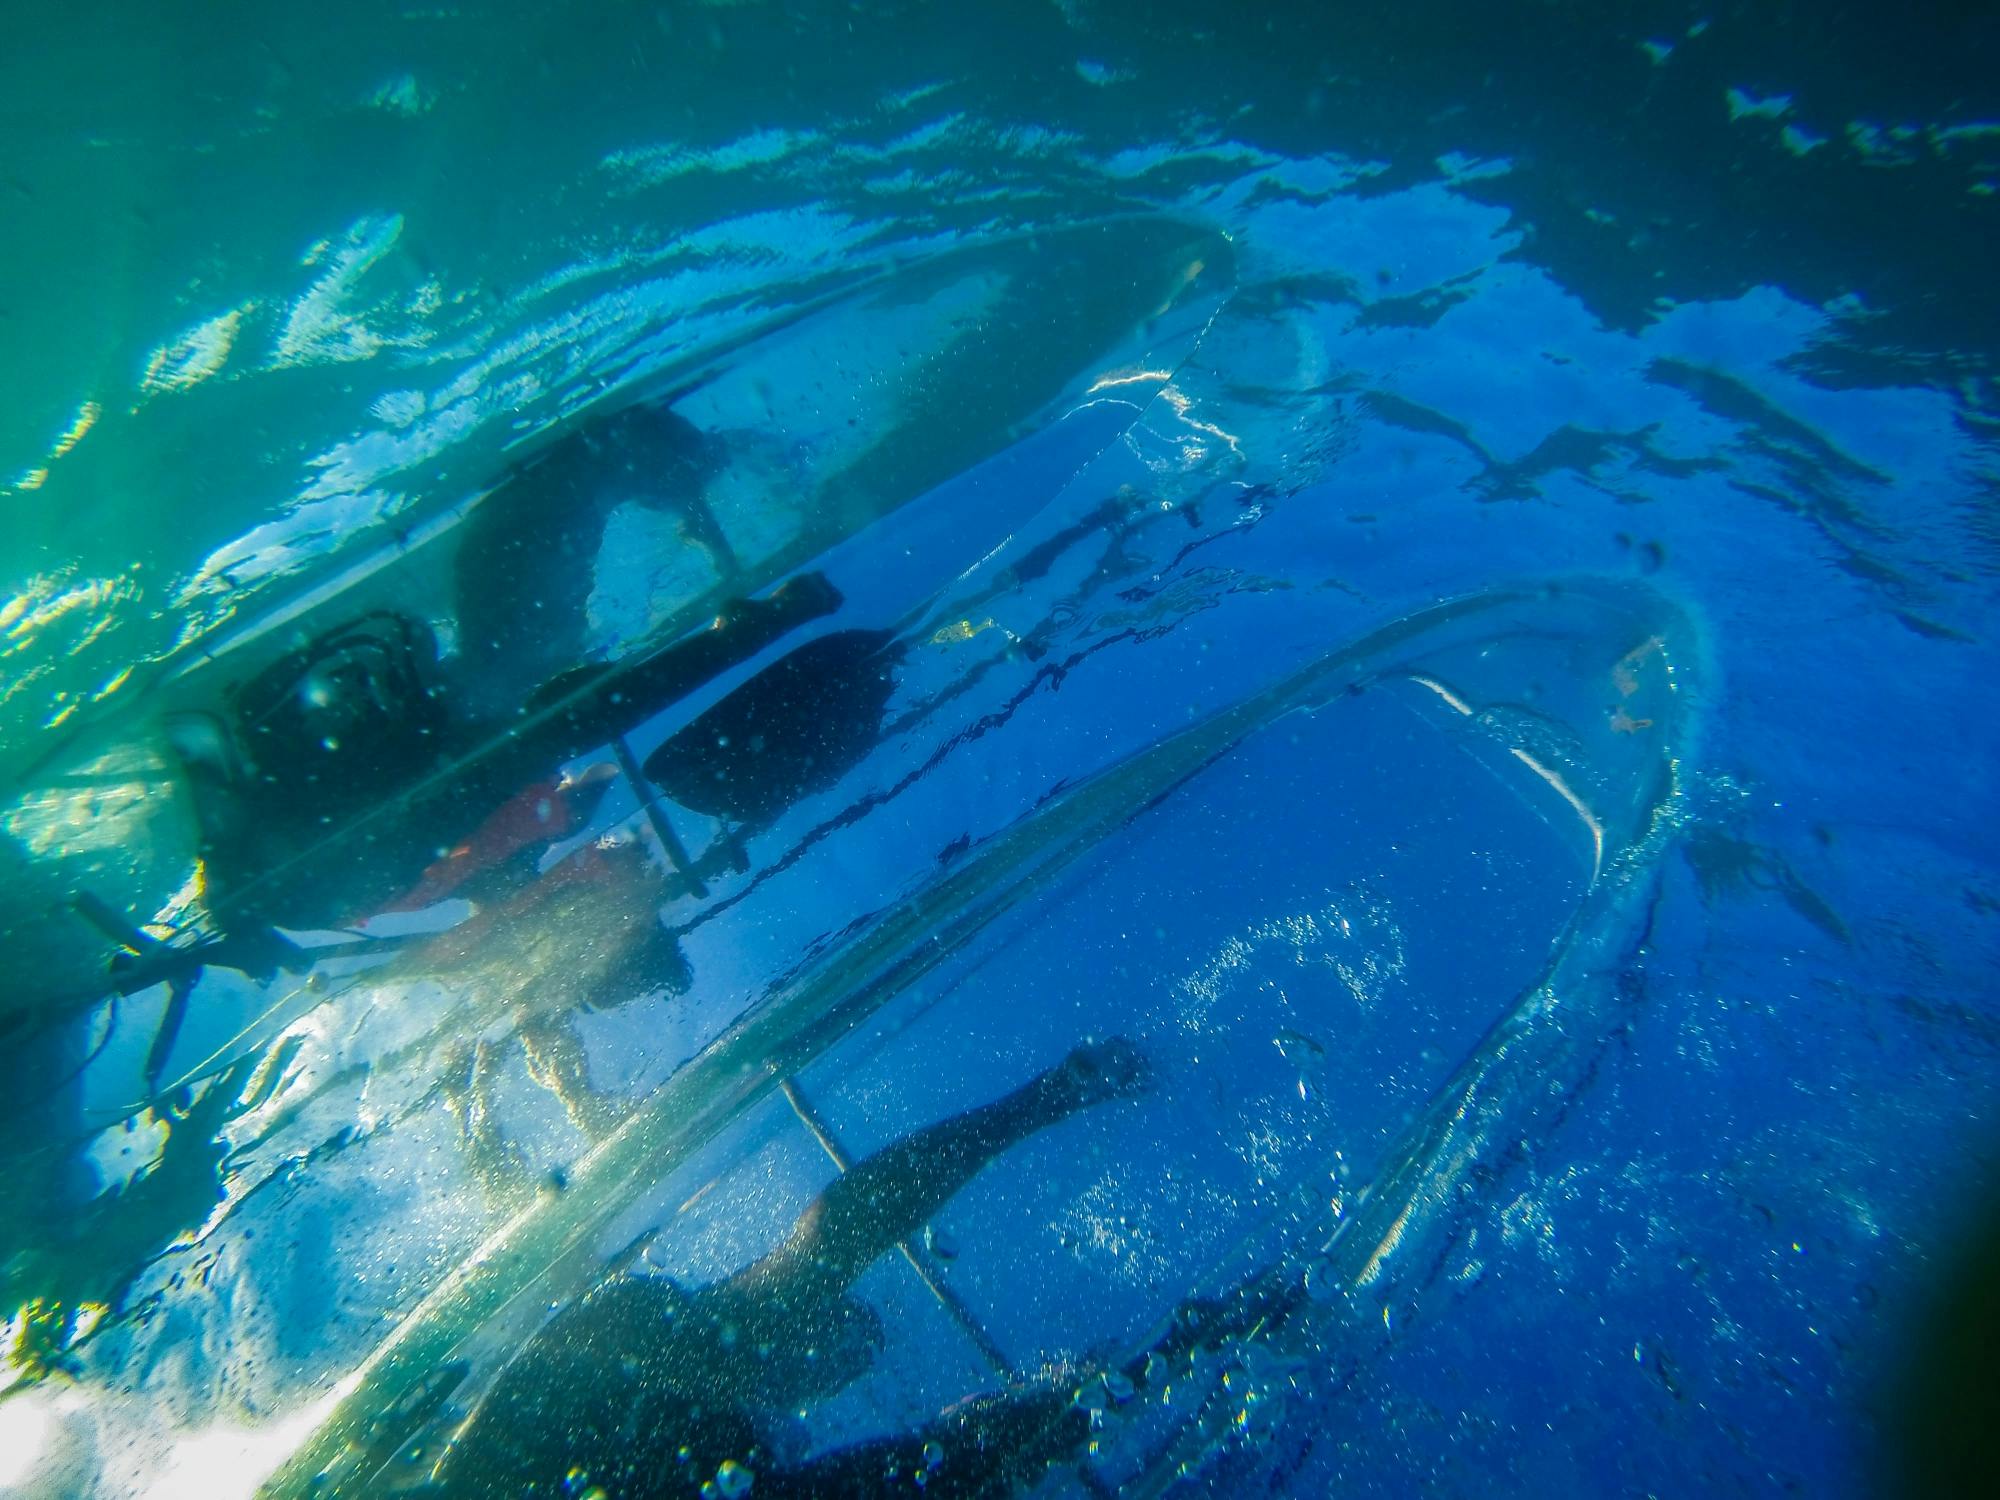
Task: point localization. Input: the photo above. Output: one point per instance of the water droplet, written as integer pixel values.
(733, 1480)
(933, 1454)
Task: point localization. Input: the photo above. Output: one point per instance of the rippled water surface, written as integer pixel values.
(1305, 320)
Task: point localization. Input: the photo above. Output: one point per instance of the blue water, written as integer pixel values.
(1692, 299)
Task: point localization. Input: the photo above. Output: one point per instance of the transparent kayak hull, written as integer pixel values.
(883, 434)
(1371, 923)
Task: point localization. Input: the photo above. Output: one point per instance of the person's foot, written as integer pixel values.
(1097, 1071)
(811, 594)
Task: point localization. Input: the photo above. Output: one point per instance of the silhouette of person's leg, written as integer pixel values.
(694, 1369)
(989, 1445)
(868, 1209)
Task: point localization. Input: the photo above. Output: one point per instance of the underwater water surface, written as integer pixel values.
(1434, 571)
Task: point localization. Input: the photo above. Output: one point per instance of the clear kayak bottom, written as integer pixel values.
(1366, 931)
(1090, 1154)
